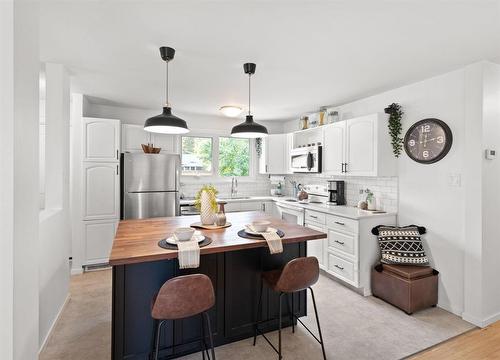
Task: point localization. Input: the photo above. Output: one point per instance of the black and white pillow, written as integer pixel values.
(401, 245)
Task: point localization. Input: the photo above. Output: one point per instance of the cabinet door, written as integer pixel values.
(101, 139)
(317, 247)
(334, 148)
(250, 206)
(133, 136)
(275, 152)
(98, 236)
(232, 207)
(165, 142)
(361, 146)
(101, 183)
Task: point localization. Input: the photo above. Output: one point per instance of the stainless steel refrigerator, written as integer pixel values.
(150, 185)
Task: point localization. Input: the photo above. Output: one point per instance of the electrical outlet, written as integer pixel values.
(455, 180)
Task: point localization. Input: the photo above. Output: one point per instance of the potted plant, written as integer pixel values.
(395, 113)
(206, 202)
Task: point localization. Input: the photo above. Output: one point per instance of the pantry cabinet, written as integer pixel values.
(358, 147)
(101, 190)
(98, 237)
(101, 140)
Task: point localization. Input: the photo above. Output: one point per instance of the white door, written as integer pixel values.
(361, 146)
(101, 183)
(101, 139)
(276, 163)
(334, 148)
(98, 236)
(165, 142)
(317, 247)
(133, 136)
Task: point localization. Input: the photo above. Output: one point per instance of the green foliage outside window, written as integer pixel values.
(234, 157)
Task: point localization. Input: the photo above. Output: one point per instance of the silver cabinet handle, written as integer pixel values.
(117, 154)
(117, 171)
(313, 216)
(339, 223)
(338, 267)
(339, 242)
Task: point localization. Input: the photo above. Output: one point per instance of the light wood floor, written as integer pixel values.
(475, 344)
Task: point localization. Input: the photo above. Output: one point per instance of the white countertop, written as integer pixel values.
(339, 210)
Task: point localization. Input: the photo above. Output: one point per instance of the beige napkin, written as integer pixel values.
(189, 253)
(272, 238)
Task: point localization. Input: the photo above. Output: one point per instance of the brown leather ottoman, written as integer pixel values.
(410, 288)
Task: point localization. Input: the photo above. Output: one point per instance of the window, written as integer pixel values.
(234, 157)
(196, 155)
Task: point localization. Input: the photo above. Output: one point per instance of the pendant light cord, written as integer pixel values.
(249, 76)
(166, 87)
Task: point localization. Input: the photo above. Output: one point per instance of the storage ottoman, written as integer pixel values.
(410, 288)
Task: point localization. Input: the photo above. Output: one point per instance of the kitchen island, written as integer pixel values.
(234, 264)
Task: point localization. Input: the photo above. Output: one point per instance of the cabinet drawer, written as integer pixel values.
(342, 268)
(342, 241)
(316, 216)
(342, 224)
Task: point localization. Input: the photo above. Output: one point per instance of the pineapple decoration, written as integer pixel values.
(206, 202)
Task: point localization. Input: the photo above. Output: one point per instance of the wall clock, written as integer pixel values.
(428, 141)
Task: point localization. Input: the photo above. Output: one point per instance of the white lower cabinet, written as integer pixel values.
(98, 236)
(351, 250)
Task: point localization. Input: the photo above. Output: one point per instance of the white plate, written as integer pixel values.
(173, 241)
(250, 232)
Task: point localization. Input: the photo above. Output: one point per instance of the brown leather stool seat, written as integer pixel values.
(297, 275)
(183, 297)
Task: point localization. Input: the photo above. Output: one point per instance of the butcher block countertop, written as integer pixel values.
(136, 241)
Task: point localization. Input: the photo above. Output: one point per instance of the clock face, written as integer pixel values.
(428, 141)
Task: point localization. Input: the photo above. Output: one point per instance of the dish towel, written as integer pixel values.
(188, 253)
(272, 238)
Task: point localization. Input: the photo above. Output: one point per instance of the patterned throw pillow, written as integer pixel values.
(401, 245)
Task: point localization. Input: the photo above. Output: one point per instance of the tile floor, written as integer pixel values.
(354, 327)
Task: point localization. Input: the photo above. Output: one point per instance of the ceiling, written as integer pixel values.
(308, 53)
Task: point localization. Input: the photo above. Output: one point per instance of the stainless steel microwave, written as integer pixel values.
(306, 159)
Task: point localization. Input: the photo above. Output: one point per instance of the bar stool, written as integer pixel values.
(297, 275)
(183, 297)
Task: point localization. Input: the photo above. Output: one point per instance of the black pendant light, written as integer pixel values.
(249, 128)
(166, 123)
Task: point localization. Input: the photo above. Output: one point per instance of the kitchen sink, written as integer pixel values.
(236, 198)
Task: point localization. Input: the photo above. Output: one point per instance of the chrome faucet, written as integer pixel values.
(234, 187)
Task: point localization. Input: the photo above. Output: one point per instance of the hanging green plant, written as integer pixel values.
(258, 146)
(395, 115)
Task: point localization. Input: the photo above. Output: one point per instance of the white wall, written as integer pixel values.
(55, 232)
(196, 122)
(26, 191)
(491, 194)
(424, 188)
(7, 179)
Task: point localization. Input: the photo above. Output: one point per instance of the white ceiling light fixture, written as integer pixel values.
(231, 110)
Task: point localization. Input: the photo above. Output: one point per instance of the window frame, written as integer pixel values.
(215, 177)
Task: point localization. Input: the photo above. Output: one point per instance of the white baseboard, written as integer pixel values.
(482, 323)
(49, 333)
(76, 271)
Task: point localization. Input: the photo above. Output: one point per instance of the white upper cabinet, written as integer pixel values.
(101, 195)
(358, 147)
(334, 148)
(101, 139)
(274, 157)
(361, 146)
(135, 135)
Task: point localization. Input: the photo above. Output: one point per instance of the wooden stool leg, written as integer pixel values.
(258, 313)
(207, 317)
(317, 321)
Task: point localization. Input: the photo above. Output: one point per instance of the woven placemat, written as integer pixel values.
(165, 245)
(242, 233)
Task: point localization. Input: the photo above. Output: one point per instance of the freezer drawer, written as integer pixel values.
(150, 205)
